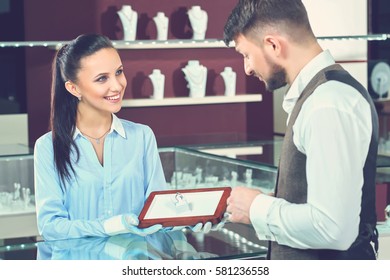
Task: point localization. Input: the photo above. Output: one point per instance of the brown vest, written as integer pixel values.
(292, 184)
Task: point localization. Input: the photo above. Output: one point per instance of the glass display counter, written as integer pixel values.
(234, 241)
(184, 168)
(17, 210)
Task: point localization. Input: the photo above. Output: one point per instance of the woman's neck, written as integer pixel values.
(93, 122)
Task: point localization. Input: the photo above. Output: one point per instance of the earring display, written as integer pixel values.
(129, 19)
(161, 22)
(158, 81)
(198, 19)
(196, 76)
(229, 78)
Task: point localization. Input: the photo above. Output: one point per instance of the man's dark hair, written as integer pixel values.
(250, 15)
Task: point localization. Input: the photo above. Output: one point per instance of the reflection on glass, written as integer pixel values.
(170, 245)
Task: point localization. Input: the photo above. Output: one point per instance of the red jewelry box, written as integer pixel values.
(185, 207)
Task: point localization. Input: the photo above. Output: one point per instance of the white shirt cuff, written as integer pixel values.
(258, 214)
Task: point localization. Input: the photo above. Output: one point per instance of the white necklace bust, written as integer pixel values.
(129, 19)
(198, 19)
(196, 76)
(158, 81)
(161, 22)
(229, 78)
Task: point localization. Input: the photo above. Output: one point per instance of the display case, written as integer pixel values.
(185, 169)
(17, 210)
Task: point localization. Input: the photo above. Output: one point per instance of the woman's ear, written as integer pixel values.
(72, 89)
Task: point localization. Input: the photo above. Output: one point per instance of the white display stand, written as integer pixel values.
(161, 22)
(129, 20)
(158, 81)
(198, 19)
(196, 76)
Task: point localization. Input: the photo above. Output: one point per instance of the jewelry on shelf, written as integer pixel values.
(198, 19)
(248, 177)
(229, 78)
(97, 140)
(196, 76)
(128, 19)
(17, 190)
(158, 81)
(161, 22)
(26, 196)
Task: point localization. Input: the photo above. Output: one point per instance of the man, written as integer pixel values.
(324, 204)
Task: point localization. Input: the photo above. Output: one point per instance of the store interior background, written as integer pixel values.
(25, 73)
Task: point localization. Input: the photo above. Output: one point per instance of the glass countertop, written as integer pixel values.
(15, 150)
(234, 241)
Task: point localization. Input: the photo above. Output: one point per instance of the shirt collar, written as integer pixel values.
(115, 125)
(321, 61)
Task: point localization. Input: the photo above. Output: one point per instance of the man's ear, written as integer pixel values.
(72, 89)
(273, 45)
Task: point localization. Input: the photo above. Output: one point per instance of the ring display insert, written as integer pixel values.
(184, 207)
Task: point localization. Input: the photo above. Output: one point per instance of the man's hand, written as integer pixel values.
(239, 203)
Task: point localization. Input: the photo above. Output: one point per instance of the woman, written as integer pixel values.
(93, 171)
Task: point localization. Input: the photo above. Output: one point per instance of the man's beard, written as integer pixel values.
(277, 80)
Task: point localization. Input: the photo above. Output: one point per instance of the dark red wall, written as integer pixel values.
(173, 125)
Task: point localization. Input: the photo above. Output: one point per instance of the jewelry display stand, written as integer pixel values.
(198, 19)
(196, 76)
(229, 78)
(158, 81)
(129, 19)
(161, 22)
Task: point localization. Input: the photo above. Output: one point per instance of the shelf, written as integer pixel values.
(369, 37)
(138, 44)
(180, 101)
(235, 151)
(170, 44)
(178, 44)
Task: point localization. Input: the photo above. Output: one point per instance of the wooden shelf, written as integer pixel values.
(182, 101)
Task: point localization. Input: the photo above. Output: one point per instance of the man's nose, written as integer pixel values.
(248, 68)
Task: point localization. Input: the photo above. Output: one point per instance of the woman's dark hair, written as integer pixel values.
(66, 65)
(251, 14)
